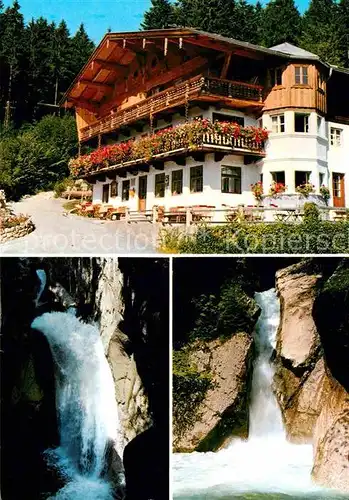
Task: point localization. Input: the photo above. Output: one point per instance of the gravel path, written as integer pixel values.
(59, 233)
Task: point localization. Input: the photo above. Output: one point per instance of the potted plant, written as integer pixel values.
(325, 193)
(276, 188)
(305, 189)
(257, 190)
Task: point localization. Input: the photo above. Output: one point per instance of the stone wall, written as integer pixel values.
(21, 229)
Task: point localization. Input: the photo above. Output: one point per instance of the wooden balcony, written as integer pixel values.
(114, 158)
(197, 88)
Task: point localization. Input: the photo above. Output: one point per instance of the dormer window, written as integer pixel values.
(301, 75)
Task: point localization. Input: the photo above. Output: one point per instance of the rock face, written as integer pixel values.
(298, 337)
(224, 410)
(312, 348)
(129, 389)
(331, 438)
(300, 370)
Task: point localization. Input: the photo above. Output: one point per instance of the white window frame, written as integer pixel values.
(336, 137)
(303, 75)
(278, 123)
(306, 120)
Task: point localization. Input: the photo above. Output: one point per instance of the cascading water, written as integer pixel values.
(85, 403)
(266, 465)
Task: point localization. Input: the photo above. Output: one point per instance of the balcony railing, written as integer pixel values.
(233, 90)
(182, 140)
(174, 96)
(228, 141)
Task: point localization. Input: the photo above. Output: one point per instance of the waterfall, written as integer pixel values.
(85, 404)
(42, 278)
(266, 465)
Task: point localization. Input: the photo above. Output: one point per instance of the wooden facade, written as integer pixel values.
(135, 78)
(290, 94)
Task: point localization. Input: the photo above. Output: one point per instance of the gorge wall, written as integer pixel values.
(133, 323)
(311, 379)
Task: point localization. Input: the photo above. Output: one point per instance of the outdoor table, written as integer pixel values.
(288, 215)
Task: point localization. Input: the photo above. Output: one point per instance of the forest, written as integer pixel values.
(39, 60)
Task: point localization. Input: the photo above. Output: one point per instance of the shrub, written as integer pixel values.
(310, 236)
(61, 186)
(311, 213)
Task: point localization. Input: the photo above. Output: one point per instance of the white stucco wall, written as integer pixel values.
(211, 194)
(289, 152)
(292, 151)
(338, 157)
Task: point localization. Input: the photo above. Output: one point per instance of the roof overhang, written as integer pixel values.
(113, 56)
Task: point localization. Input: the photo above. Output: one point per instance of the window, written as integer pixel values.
(278, 177)
(321, 179)
(301, 75)
(196, 179)
(336, 137)
(177, 182)
(228, 118)
(276, 75)
(105, 194)
(159, 185)
(301, 122)
(319, 124)
(278, 124)
(231, 180)
(302, 178)
(113, 189)
(125, 190)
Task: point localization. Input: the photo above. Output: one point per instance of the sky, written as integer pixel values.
(97, 15)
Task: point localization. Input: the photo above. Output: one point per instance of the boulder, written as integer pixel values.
(223, 412)
(298, 338)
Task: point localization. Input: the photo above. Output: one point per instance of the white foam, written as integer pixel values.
(85, 401)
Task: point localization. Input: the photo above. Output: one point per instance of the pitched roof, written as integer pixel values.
(288, 48)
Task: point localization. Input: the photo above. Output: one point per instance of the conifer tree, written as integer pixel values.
(160, 15)
(321, 33)
(59, 58)
(343, 14)
(281, 23)
(12, 56)
(81, 49)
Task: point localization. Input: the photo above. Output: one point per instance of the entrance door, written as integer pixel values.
(142, 193)
(105, 196)
(338, 190)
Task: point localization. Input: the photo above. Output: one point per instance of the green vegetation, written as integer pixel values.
(38, 62)
(35, 157)
(323, 29)
(221, 317)
(189, 390)
(309, 236)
